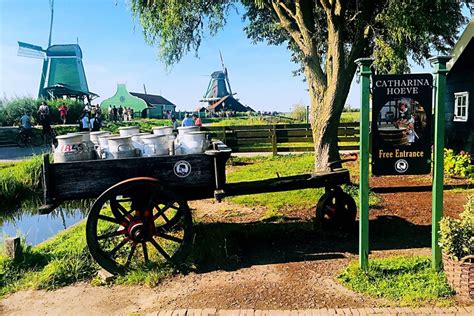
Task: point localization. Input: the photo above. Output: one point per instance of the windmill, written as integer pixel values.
(63, 72)
(219, 94)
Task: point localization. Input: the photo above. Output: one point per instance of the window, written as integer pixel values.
(461, 105)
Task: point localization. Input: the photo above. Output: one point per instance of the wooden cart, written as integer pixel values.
(141, 215)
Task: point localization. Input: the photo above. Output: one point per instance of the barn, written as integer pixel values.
(459, 108)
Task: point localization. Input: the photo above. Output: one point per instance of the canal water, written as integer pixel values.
(36, 228)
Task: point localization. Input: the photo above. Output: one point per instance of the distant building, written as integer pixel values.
(143, 105)
(219, 94)
(157, 106)
(459, 108)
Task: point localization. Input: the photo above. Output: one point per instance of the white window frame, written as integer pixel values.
(459, 96)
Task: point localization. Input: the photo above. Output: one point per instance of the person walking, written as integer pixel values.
(115, 111)
(96, 122)
(197, 120)
(85, 122)
(111, 113)
(120, 113)
(63, 113)
(174, 122)
(43, 111)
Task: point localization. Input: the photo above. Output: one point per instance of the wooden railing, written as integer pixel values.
(279, 137)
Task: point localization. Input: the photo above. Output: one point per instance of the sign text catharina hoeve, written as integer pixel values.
(401, 124)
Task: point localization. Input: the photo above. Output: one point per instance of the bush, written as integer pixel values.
(298, 112)
(75, 109)
(457, 235)
(458, 165)
(12, 109)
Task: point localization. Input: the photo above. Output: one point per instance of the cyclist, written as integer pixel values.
(25, 123)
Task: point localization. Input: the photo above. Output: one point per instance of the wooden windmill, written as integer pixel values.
(63, 72)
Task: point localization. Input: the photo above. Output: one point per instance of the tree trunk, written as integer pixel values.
(325, 113)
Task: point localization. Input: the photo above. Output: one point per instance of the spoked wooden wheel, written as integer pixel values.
(137, 222)
(336, 208)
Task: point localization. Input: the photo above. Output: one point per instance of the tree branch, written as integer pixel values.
(287, 24)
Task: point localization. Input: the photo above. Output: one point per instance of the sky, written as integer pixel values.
(114, 51)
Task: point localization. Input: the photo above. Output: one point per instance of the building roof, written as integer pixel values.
(62, 50)
(123, 98)
(152, 99)
(230, 104)
(215, 105)
(461, 44)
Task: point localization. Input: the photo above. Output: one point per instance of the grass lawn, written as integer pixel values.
(409, 281)
(349, 117)
(259, 168)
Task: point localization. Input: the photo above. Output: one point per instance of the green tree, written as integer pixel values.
(325, 36)
(298, 112)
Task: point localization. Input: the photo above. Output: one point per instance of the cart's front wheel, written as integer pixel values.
(336, 208)
(137, 222)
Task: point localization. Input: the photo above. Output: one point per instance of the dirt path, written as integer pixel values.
(272, 266)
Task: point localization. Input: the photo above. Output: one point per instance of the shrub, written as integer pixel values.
(298, 112)
(457, 235)
(458, 165)
(75, 108)
(12, 109)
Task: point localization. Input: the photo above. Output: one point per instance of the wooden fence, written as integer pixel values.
(279, 137)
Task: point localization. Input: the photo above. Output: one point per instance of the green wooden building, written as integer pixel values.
(143, 104)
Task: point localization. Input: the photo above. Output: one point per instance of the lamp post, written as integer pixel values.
(364, 71)
(440, 72)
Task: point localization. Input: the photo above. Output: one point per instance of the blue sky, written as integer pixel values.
(114, 51)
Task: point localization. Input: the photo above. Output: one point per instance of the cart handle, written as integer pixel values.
(332, 164)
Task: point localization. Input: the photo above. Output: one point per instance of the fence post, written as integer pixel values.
(223, 135)
(274, 140)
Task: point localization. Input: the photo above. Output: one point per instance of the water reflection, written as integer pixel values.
(36, 228)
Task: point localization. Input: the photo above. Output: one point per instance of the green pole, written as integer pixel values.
(440, 71)
(364, 71)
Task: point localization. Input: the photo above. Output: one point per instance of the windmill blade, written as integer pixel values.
(30, 51)
(225, 72)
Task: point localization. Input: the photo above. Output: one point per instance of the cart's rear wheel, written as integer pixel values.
(336, 208)
(137, 222)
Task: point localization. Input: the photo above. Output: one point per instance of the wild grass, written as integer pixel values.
(19, 181)
(408, 281)
(57, 262)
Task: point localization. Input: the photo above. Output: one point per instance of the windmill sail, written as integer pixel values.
(225, 72)
(31, 51)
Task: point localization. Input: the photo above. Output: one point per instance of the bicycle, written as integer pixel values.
(25, 138)
(50, 137)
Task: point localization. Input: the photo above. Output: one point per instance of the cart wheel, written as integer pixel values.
(336, 208)
(137, 222)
